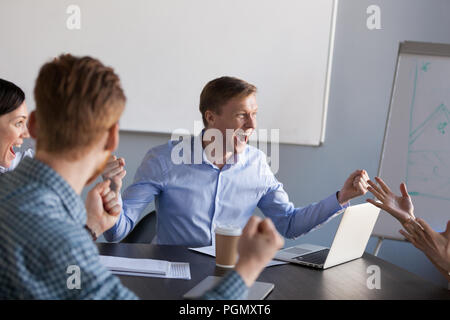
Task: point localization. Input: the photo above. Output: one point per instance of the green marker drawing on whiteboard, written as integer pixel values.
(428, 160)
(425, 66)
(441, 126)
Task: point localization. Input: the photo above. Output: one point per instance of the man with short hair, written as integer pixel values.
(223, 179)
(45, 233)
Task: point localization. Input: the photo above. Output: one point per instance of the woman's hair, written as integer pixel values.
(11, 97)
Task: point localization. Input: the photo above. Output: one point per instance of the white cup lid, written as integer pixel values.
(228, 230)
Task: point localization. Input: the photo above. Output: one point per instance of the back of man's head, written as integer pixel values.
(77, 100)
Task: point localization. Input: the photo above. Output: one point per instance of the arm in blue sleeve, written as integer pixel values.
(148, 183)
(293, 222)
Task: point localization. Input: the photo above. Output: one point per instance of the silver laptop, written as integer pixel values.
(349, 242)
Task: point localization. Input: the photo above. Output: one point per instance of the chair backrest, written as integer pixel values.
(144, 231)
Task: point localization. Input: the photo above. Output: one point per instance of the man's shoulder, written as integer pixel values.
(161, 156)
(26, 197)
(257, 162)
(35, 212)
(165, 149)
(160, 152)
(253, 154)
(40, 226)
(254, 150)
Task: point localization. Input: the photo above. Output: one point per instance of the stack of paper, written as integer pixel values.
(146, 267)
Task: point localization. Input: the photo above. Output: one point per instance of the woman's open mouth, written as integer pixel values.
(11, 149)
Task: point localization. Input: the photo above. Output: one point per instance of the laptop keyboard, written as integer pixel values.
(317, 257)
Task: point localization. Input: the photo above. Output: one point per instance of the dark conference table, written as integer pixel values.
(343, 282)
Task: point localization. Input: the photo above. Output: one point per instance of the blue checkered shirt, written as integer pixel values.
(43, 243)
(45, 250)
(231, 287)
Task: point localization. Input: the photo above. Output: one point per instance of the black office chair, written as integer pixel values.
(144, 231)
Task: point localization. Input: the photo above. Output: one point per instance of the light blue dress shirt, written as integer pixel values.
(191, 199)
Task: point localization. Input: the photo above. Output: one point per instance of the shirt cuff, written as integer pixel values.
(111, 235)
(342, 206)
(332, 205)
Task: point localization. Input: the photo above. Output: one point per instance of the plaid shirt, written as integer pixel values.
(45, 252)
(231, 287)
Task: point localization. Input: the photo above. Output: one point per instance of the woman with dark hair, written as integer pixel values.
(13, 125)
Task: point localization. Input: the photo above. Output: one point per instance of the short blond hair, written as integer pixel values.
(77, 100)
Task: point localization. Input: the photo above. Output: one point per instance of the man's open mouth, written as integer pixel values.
(243, 136)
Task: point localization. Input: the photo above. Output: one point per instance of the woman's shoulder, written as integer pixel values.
(27, 153)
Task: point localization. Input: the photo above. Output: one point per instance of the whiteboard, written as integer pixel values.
(165, 51)
(416, 146)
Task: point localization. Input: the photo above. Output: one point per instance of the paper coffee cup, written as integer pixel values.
(227, 238)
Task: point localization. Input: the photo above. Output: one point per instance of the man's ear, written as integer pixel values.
(32, 125)
(112, 142)
(210, 118)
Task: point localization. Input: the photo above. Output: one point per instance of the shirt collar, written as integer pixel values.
(35, 170)
(196, 145)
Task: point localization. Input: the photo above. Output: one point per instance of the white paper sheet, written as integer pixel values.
(211, 251)
(146, 267)
(135, 265)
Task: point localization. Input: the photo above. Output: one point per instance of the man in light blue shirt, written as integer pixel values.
(221, 180)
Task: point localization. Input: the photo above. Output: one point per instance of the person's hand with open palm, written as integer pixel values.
(400, 207)
(436, 245)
